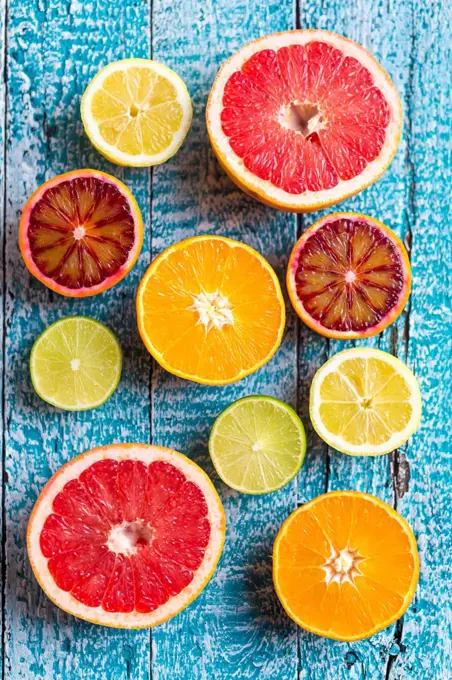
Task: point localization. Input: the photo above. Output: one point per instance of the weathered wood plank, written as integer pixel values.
(2, 298)
(237, 628)
(422, 645)
(54, 49)
(384, 30)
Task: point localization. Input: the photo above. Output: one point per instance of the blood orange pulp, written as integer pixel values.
(126, 535)
(348, 276)
(303, 119)
(81, 232)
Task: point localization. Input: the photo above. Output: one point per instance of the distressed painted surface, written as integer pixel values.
(236, 629)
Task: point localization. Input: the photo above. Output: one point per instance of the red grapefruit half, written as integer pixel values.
(126, 535)
(81, 232)
(348, 276)
(303, 119)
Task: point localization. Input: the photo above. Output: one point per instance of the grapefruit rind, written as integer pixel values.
(398, 438)
(147, 454)
(110, 281)
(295, 418)
(348, 335)
(264, 190)
(140, 311)
(109, 151)
(409, 595)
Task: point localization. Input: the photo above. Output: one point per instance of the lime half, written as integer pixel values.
(257, 444)
(76, 364)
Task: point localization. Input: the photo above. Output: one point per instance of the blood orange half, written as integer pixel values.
(348, 276)
(81, 232)
(126, 535)
(303, 119)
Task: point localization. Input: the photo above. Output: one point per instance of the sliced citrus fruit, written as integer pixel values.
(81, 232)
(303, 119)
(348, 276)
(136, 112)
(76, 364)
(257, 444)
(365, 402)
(345, 565)
(126, 535)
(210, 310)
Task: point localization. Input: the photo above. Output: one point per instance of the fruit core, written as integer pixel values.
(214, 310)
(302, 117)
(342, 566)
(126, 537)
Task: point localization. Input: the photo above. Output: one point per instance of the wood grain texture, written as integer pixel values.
(237, 628)
(2, 298)
(54, 49)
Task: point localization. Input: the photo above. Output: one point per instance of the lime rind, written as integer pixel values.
(113, 366)
(293, 460)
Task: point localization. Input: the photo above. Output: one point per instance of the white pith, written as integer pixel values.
(341, 444)
(147, 454)
(183, 98)
(342, 567)
(309, 199)
(214, 309)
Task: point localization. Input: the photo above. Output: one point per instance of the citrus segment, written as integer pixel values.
(126, 535)
(348, 276)
(136, 112)
(257, 444)
(365, 402)
(345, 565)
(210, 309)
(303, 119)
(81, 233)
(76, 364)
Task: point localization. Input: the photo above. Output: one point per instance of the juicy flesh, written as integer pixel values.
(211, 310)
(81, 232)
(257, 446)
(365, 401)
(126, 536)
(349, 275)
(345, 566)
(304, 117)
(137, 111)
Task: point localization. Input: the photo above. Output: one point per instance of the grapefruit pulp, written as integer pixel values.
(345, 565)
(126, 535)
(303, 119)
(81, 232)
(348, 276)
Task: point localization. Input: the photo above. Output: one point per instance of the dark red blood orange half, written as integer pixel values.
(348, 276)
(126, 535)
(303, 119)
(81, 232)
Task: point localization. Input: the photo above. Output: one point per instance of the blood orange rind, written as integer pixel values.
(108, 282)
(141, 312)
(264, 190)
(408, 595)
(120, 452)
(395, 310)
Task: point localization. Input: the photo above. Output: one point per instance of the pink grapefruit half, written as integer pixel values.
(348, 276)
(81, 232)
(126, 535)
(303, 119)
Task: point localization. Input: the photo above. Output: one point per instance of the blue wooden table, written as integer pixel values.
(236, 629)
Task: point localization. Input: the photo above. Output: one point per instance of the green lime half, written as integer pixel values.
(76, 364)
(257, 444)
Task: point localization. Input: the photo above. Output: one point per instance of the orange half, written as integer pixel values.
(210, 309)
(345, 565)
